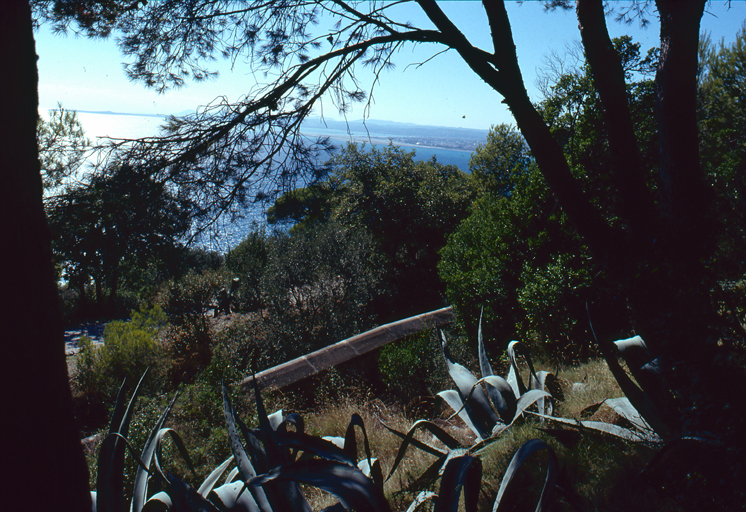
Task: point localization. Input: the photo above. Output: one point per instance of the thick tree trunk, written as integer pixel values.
(43, 463)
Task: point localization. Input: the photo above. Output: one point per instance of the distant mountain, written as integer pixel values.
(110, 113)
(410, 134)
(374, 126)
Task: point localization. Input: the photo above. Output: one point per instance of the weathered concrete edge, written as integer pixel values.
(327, 357)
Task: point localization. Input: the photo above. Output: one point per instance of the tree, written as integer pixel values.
(498, 164)
(37, 403)
(318, 285)
(722, 121)
(408, 207)
(516, 254)
(62, 146)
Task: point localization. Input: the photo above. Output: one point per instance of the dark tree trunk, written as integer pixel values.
(43, 463)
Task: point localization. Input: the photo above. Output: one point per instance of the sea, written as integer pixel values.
(98, 125)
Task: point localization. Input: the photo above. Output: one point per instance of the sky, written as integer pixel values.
(84, 74)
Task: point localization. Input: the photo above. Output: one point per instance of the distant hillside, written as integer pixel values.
(463, 139)
(458, 139)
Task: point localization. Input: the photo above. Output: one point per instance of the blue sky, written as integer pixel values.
(87, 74)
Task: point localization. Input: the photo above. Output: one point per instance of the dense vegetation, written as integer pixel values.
(378, 237)
(656, 254)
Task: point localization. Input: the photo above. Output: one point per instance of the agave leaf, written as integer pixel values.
(275, 419)
(539, 381)
(337, 507)
(502, 396)
(483, 417)
(110, 481)
(453, 399)
(314, 445)
(528, 448)
(421, 499)
(634, 351)
(351, 439)
(516, 348)
(179, 445)
(621, 432)
(430, 475)
(514, 376)
(438, 432)
(637, 396)
(624, 408)
(528, 399)
(254, 448)
(460, 472)
(372, 469)
(338, 441)
(484, 362)
(140, 489)
(284, 494)
(185, 498)
(245, 468)
(607, 428)
(231, 497)
(232, 475)
(347, 483)
(214, 476)
(242, 459)
(414, 442)
(105, 486)
(159, 502)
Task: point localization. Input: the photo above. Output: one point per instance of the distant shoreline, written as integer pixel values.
(384, 141)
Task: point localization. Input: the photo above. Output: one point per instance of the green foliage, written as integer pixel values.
(722, 124)
(496, 165)
(552, 301)
(249, 260)
(130, 347)
(410, 368)
(62, 146)
(406, 207)
(519, 257)
(120, 220)
(572, 110)
(303, 207)
(409, 207)
(188, 302)
(517, 253)
(318, 286)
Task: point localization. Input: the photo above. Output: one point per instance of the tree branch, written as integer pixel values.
(636, 206)
(507, 80)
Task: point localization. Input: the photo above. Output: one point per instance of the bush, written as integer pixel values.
(318, 287)
(412, 367)
(248, 260)
(130, 347)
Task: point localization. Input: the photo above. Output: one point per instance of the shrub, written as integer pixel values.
(318, 287)
(129, 348)
(412, 367)
(248, 260)
(189, 339)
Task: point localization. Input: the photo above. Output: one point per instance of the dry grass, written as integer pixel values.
(595, 467)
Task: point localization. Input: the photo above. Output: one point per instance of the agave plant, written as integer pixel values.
(490, 404)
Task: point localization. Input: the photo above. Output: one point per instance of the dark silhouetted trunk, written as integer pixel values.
(42, 458)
